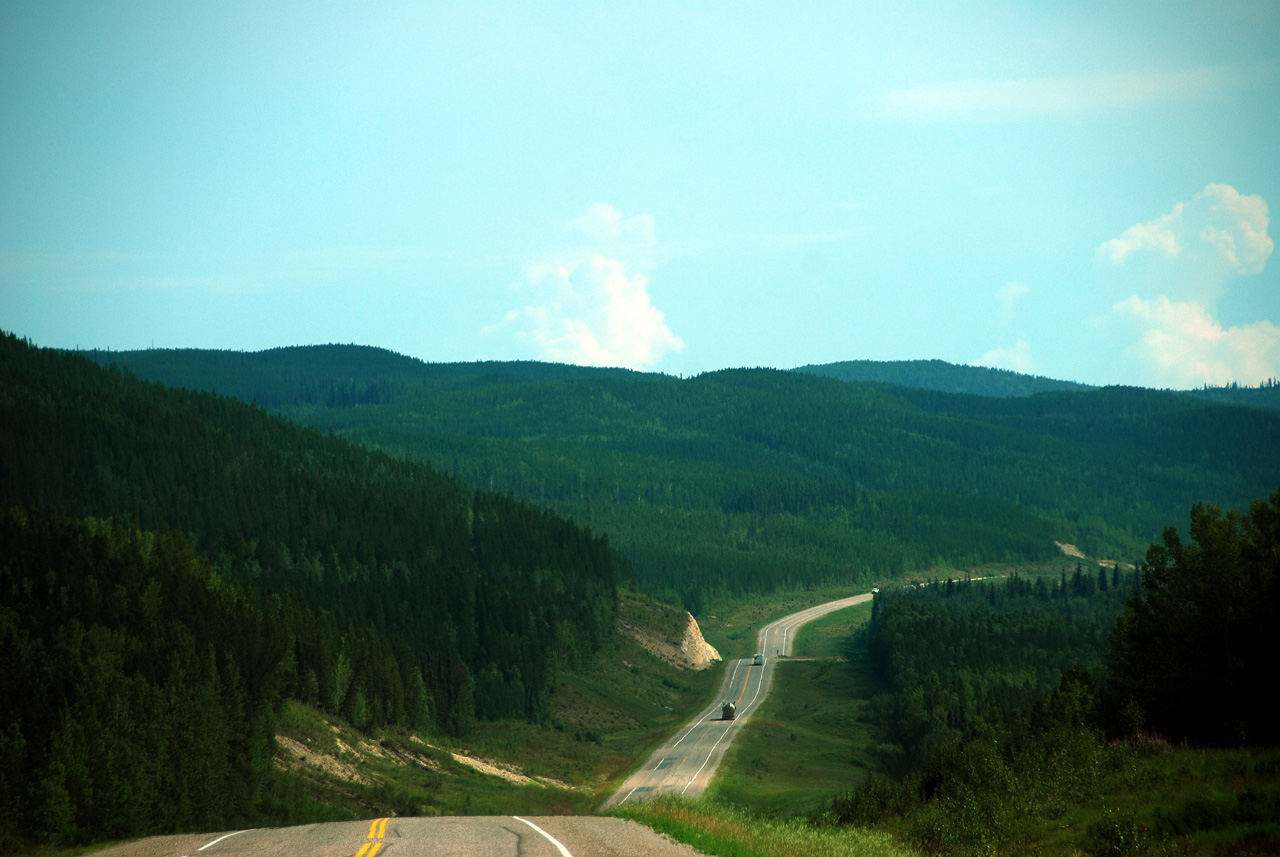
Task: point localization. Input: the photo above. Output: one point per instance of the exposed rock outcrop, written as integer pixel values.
(700, 653)
(690, 651)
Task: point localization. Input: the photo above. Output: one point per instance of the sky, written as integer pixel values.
(1076, 190)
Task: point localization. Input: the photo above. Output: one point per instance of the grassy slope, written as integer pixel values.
(1177, 800)
(606, 718)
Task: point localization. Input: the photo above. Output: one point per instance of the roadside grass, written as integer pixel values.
(732, 832)
(812, 736)
(828, 637)
(1151, 800)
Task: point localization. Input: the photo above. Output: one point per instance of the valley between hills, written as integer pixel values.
(332, 583)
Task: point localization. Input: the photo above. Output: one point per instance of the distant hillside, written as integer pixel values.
(1266, 395)
(941, 376)
(947, 377)
(745, 481)
(331, 375)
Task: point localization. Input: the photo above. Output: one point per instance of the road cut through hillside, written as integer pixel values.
(685, 764)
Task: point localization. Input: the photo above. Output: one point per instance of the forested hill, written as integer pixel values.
(941, 376)
(405, 594)
(330, 375)
(743, 481)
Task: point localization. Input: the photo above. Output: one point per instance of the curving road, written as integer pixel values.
(685, 764)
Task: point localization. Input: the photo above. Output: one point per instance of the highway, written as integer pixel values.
(456, 836)
(685, 764)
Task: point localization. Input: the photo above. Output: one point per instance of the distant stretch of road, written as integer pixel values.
(685, 764)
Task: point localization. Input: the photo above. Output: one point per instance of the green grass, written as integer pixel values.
(829, 636)
(1192, 801)
(730, 832)
(813, 735)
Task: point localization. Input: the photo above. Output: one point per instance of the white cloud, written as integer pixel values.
(1180, 265)
(1017, 358)
(960, 100)
(1185, 346)
(603, 224)
(1009, 294)
(588, 309)
(1220, 234)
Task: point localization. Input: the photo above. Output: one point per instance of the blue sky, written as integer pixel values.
(1074, 190)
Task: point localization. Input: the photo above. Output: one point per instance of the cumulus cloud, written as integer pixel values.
(1186, 259)
(1017, 358)
(960, 100)
(1219, 235)
(1009, 294)
(588, 308)
(604, 224)
(1185, 346)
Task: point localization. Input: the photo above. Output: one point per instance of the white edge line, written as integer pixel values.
(763, 635)
(549, 837)
(694, 725)
(222, 837)
(708, 759)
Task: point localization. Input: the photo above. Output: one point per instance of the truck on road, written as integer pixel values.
(728, 711)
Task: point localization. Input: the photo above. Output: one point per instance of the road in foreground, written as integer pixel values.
(685, 764)
(457, 836)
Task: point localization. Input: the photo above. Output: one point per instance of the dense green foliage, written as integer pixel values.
(138, 684)
(941, 376)
(955, 654)
(1195, 651)
(749, 481)
(1189, 656)
(426, 597)
(977, 795)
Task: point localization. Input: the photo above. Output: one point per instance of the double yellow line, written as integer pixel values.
(746, 681)
(377, 835)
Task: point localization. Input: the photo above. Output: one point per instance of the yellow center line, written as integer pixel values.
(377, 832)
(746, 681)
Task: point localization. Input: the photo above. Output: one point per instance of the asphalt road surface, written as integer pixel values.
(685, 764)
(456, 836)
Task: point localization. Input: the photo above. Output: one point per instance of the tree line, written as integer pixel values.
(1186, 658)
